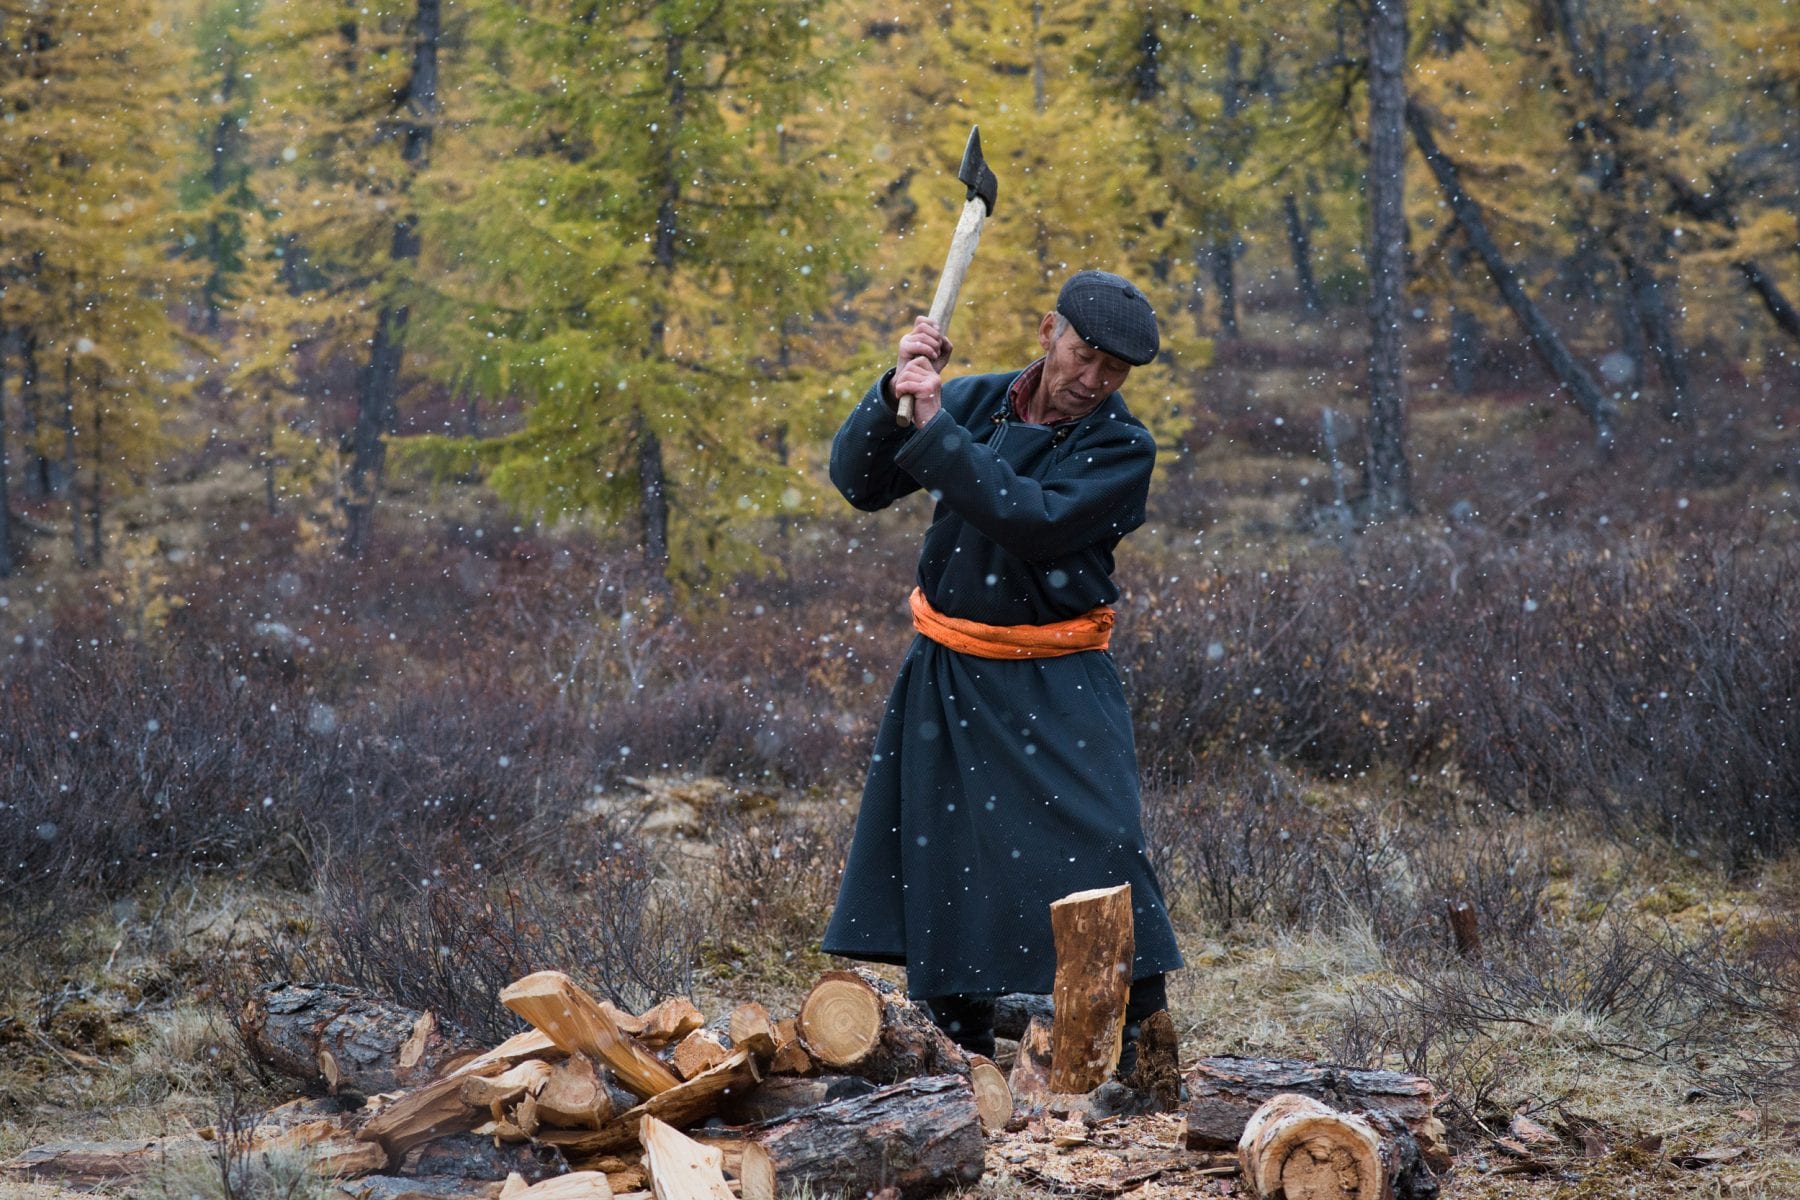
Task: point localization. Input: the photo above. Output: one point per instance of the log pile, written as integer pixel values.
(856, 1093)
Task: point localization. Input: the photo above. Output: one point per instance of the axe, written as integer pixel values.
(978, 206)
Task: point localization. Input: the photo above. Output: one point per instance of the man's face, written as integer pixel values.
(1076, 376)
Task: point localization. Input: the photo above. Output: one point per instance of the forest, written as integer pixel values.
(415, 530)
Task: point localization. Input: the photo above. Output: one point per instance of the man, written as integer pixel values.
(1004, 774)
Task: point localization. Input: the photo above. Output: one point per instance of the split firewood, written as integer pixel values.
(683, 1105)
(784, 1095)
(681, 1168)
(1298, 1148)
(1029, 1081)
(670, 1021)
(699, 1051)
(1092, 931)
(353, 1043)
(580, 1095)
(752, 1029)
(858, 1023)
(790, 1056)
(490, 1091)
(1224, 1091)
(576, 1185)
(993, 1099)
(920, 1136)
(575, 1021)
(428, 1112)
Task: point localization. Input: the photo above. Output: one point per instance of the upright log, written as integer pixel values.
(351, 1042)
(918, 1137)
(857, 1023)
(1092, 931)
(574, 1020)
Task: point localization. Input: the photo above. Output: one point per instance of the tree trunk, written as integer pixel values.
(1387, 471)
(7, 562)
(354, 1043)
(1652, 312)
(1092, 931)
(1787, 317)
(376, 405)
(918, 1137)
(71, 467)
(1223, 1093)
(37, 482)
(1300, 249)
(1573, 376)
(96, 494)
(1223, 256)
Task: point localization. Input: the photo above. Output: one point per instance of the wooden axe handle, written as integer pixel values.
(956, 265)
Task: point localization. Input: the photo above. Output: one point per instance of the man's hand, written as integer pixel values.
(924, 351)
(924, 340)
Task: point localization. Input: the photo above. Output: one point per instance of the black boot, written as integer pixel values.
(968, 1020)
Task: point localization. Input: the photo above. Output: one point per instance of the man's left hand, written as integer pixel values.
(919, 379)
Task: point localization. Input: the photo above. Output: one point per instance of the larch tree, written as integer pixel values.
(650, 222)
(347, 116)
(1386, 469)
(86, 274)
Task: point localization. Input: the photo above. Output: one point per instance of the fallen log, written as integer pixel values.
(1225, 1091)
(681, 1168)
(857, 1023)
(475, 1156)
(575, 1021)
(1092, 931)
(94, 1164)
(784, 1095)
(1296, 1148)
(352, 1043)
(919, 1137)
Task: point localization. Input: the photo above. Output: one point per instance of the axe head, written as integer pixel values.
(974, 172)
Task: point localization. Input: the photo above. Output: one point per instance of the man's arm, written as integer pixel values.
(1097, 491)
(862, 454)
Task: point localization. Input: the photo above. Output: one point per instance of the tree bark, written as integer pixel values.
(1387, 470)
(1030, 1077)
(1544, 339)
(353, 1043)
(1300, 249)
(653, 499)
(1092, 931)
(918, 1137)
(783, 1096)
(1652, 312)
(1224, 1091)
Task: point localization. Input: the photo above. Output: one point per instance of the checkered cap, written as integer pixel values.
(1111, 315)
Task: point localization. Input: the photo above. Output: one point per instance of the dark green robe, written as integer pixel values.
(998, 786)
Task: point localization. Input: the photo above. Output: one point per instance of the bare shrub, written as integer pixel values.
(231, 1167)
(448, 938)
(777, 873)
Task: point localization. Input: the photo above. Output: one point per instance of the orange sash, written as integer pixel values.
(1092, 630)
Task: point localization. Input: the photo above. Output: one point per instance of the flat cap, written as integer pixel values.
(1111, 315)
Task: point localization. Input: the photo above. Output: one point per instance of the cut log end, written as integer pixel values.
(840, 1019)
(1300, 1149)
(993, 1098)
